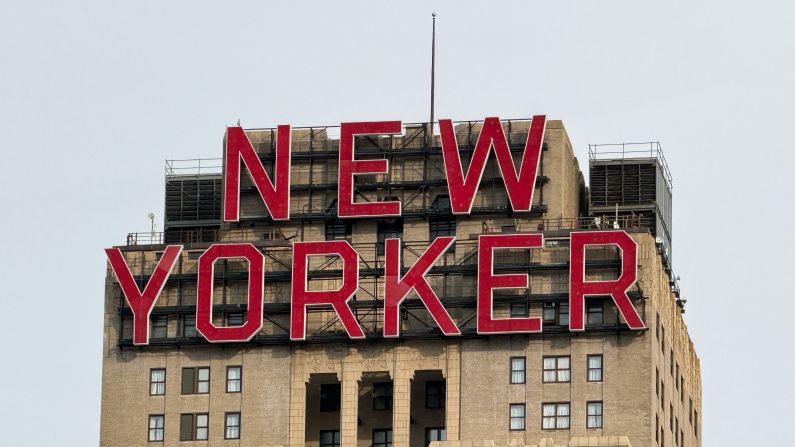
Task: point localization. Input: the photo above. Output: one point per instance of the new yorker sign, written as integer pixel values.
(462, 185)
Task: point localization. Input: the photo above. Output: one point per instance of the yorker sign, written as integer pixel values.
(462, 185)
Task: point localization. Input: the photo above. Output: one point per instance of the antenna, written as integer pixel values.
(433, 78)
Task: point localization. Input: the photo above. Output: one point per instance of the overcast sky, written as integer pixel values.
(94, 96)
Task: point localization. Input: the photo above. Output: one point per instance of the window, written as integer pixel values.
(330, 397)
(193, 427)
(195, 380)
(232, 426)
(382, 437)
(329, 438)
(671, 416)
(657, 326)
(339, 230)
(555, 416)
(441, 226)
(662, 338)
(156, 424)
(657, 428)
(157, 382)
(595, 312)
(235, 318)
(435, 434)
(676, 432)
(695, 423)
(434, 394)
(657, 382)
(517, 416)
(388, 229)
(518, 369)
(690, 413)
(594, 410)
(662, 395)
(557, 369)
(382, 396)
(189, 326)
(519, 310)
(672, 364)
(160, 326)
(595, 368)
(556, 313)
(234, 379)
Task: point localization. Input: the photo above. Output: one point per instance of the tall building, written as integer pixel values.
(608, 385)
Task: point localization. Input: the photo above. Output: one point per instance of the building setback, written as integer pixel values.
(606, 386)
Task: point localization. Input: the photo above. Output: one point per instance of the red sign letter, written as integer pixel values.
(463, 187)
(276, 197)
(301, 298)
(141, 304)
(396, 288)
(348, 167)
(204, 295)
(488, 281)
(579, 288)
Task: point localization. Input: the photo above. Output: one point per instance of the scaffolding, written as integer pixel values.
(416, 178)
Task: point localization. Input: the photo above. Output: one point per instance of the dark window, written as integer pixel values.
(557, 369)
(330, 397)
(594, 410)
(657, 382)
(690, 413)
(556, 313)
(193, 427)
(662, 394)
(672, 364)
(671, 417)
(382, 396)
(595, 312)
(435, 434)
(434, 394)
(232, 426)
(443, 224)
(518, 368)
(339, 230)
(189, 326)
(160, 326)
(517, 414)
(657, 428)
(235, 318)
(382, 437)
(555, 416)
(329, 438)
(595, 368)
(157, 382)
(695, 423)
(196, 380)
(388, 229)
(657, 326)
(234, 379)
(156, 427)
(519, 310)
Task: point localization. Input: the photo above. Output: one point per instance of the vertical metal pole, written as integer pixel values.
(433, 79)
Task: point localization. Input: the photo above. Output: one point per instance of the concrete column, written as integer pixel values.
(401, 406)
(452, 407)
(349, 413)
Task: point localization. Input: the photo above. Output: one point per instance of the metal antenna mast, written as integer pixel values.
(433, 78)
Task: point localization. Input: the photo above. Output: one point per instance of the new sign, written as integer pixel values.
(463, 186)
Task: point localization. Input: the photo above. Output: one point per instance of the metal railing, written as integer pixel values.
(252, 234)
(194, 166)
(629, 151)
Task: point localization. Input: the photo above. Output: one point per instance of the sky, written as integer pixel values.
(95, 95)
